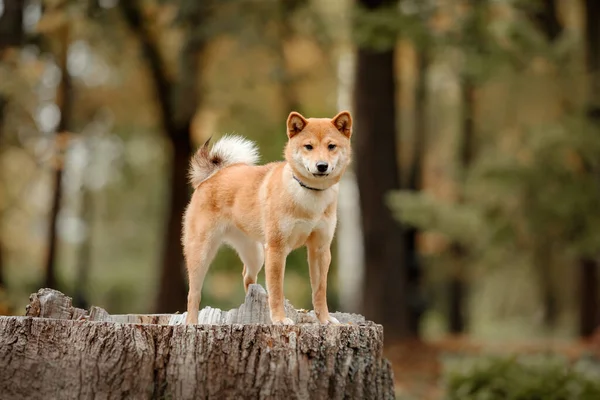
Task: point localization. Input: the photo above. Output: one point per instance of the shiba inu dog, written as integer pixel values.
(266, 211)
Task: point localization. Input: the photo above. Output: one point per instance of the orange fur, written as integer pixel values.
(264, 213)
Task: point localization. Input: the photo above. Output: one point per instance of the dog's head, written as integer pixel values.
(319, 148)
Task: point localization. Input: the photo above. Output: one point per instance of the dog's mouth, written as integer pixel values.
(320, 174)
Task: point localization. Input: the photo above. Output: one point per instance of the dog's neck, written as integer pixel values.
(305, 185)
(317, 185)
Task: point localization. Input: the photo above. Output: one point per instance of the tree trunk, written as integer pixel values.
(589, 304)
(385, 287)
(172, 293)
(456, 317)
(546, 18)
(589, 301)
(84, 259)
(457, 285)
(415, 183)
(68, 357)
(11, 24)
(349, 234)
(542, 264)
(64, 102)
(457, 290)
(544, 15)
(11, 35)
(287, 84)
(2, 283)
(592, 37)
(178, 102)
(50, 273)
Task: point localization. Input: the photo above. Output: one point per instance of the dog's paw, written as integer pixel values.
(284, 321)
(329, 320)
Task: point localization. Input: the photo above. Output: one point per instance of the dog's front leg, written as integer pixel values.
(319, 259)
(274, 268)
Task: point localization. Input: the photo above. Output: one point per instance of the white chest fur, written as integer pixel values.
(313, 205)
(312, 202)
(297, 231)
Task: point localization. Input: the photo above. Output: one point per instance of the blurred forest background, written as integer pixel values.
(473, 207)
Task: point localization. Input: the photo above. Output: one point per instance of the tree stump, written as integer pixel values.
(58, 351)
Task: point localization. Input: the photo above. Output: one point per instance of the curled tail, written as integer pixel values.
(230, 149)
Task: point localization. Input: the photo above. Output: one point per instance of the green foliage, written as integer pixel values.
(543, 194)
(522, 379)
(481, 39)
(459, 222)
(556, 186)
(380, 28)
(546, 195)
(377, 29)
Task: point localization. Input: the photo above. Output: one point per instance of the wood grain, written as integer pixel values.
(77, 358)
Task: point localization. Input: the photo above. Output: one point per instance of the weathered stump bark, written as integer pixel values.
(63, 352)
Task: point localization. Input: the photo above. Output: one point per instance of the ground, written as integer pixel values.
(418, 365)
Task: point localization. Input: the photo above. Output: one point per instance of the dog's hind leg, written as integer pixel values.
(251, 253)
(199, 253)
(253, 257)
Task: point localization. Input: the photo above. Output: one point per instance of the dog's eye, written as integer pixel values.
(331, 147)
(308, 146)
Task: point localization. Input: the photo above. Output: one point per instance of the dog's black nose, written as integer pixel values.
(322, 166)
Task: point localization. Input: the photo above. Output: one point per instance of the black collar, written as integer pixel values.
(306, 186)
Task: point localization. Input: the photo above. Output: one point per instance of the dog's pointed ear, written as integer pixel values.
(343, 123)
(295, 124)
